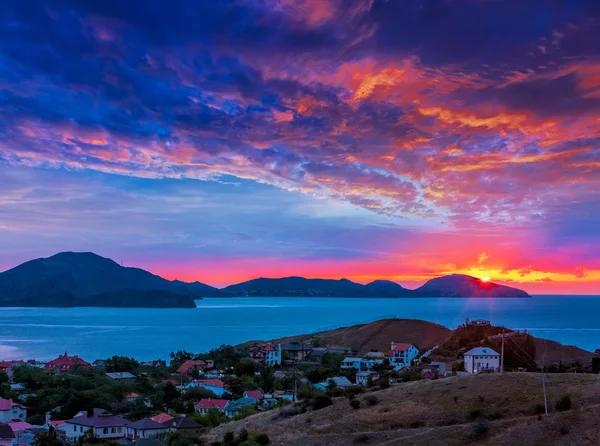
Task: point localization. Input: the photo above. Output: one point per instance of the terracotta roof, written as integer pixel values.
(66, 362)
(132, 395)
(187, 365)
(254, 394)
(145, 424)
(162, 417)
(6, 432)
(8, 404)
(400, 347)
(210, 403)
(57, 423)
(20, 425)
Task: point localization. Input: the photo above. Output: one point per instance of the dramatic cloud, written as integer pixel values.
(428, 117)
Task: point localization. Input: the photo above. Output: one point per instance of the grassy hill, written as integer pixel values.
(378, 335)
(488, 409)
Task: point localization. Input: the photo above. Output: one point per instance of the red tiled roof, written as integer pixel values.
(20, 425)
(132, 395)
(8, 404)
(209, 403)
(66, 362)
(162, 418)
(187, 365)
(57, 423)
(401, 347)
(254, 394)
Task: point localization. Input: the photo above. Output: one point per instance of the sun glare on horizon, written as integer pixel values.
(485, 279)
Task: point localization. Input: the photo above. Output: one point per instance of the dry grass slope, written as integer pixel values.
(443, 412)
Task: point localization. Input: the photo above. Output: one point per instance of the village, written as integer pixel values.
(119, 400)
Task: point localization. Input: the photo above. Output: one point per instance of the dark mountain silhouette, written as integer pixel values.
(87, 279)
(460, 285)
(455, 285)
(88, 276)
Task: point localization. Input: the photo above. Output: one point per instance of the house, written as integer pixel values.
(268, 353)
(192, 365)
(362, 378)
(351, 362)
(316, 354)
(121, 376)
(232, 409)
(99, 363)
(144, 428)
(245, 401)
(337, 381)
(5, 365)
(401, 355)
(256, 394)
(162, 418)
(297, 351)
(213, 374)
(214, 385)
(18, 426)
(207, 404)
(65, 363)
(155, 363)
(480, 359)
(441, 368)
(278, 374)
(101, 422)
(181, 423)
(17, 388)
(131, 397)
(10, 411)
(339, 349)
(596, 361)
(7, 435)
(283, 395)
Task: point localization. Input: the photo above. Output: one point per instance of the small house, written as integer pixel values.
(214, 385)
(207, 404)
(155, 363)
(161, 418)
(193, 365)
(182, 423)
(66, 363)
(99, 363)
(401, 355)
(362, 378)
(337, 381)
(297, 351)
(255, 394)
(10, 411)
(351, 362)
(144, 428)
(121, 376)
(481, 359)
(101, 422)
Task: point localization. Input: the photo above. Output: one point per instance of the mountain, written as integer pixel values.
(94, 279)
(455, 285)
(460, 285)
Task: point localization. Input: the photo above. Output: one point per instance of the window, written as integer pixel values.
(105, 431)
(74, 428)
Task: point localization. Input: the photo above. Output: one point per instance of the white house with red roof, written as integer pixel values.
(11, 411)
(207, 404)
(65, 363)
(401, 354)
(214, 385)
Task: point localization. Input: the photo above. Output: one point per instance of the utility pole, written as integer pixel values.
(295, 384)
(544, 387)
(502, 354)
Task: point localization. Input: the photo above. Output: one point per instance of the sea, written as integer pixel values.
(146, 333)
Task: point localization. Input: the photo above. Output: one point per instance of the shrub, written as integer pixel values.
(383, 383)
(355, 404)
(563, 403)
(243, 435)
(321, 401)
(539, 409)
(361, 439)
(564, 429)
(228, 437)
(475, 413)
(353, 391)
(480, 427)
(288, 412)
(262, 439)
(371, 400)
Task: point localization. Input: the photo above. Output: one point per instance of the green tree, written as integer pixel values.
(122, 364)
(49, 438)
(5, 391)
(179, 358)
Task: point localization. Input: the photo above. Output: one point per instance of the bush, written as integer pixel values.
(262, 439)
(228, 437)
(361, 439)
(564, 429)
(563, 403)
(539, 409)
(355, 404)
(383, 383)
(321, 401)
(480, 427)
(475, 413)
(243, 435)
(371, 400)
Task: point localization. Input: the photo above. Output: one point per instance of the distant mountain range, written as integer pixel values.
(88, 280)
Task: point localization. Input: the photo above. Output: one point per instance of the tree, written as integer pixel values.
(5, 391)
(245, 367)
(121, 364)
(267, 381)
(46, 439)
(179, 358)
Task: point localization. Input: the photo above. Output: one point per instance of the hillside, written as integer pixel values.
(552, 352)
(460, 285)
(90, 277)
(378, 335)
(442, 412)
(300, 286)
(455, 285)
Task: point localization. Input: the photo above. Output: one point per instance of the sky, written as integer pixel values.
(221, 141)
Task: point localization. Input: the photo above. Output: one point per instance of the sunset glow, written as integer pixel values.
(367, 139)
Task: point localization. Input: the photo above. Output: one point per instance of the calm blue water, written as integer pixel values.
(43, 333)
